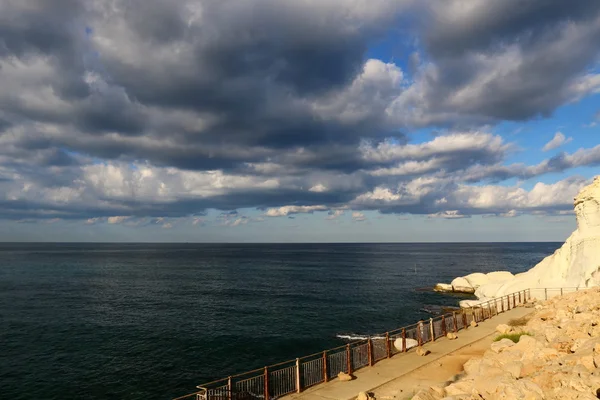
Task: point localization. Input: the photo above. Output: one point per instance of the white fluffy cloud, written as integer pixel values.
(289, 210)
(358, 216)
(557, 141)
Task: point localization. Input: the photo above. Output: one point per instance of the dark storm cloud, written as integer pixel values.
(254, 69)
(534, 50)
(488, 24)
(4, 124)
(150, 108)
(50, 29)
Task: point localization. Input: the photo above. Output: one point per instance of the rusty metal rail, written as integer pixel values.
(293, 376)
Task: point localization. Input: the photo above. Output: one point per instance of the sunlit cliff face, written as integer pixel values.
(587, 208)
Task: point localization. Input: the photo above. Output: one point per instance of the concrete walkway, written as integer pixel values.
(368, 379)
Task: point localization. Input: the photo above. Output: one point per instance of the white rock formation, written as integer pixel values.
(462, 285)
(575, 264)
(443, 287)
(470, 283)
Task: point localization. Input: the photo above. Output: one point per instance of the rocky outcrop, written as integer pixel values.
(575, 264)
(471, 282)
(557, 356)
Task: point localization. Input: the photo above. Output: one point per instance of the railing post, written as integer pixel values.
(388, 346)
(464, 318)
(325, 374)
(420, 333)
(454, 321)
(267, 396)
(348, 359)
(298, 373)
(431, 330)
(370, 351)
(519, 297)
(561, 291)
(546, 293)
(444, 333)
(514, 300)
(404, 340)
(229, 388)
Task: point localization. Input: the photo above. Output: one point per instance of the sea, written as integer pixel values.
(152, 321)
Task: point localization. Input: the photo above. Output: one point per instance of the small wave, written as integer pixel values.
(352, 336)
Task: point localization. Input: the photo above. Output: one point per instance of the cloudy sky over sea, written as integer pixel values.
(277, 120)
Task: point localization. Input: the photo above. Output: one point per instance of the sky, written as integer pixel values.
(296, 121)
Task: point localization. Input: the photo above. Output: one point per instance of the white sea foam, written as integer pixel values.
(353, 336)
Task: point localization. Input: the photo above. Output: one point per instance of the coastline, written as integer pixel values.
(553, 353)
(385, 378)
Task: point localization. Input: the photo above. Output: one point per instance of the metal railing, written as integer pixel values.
(293, 376)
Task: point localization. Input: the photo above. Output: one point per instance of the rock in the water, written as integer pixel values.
(443, 287)
(471, 282)
(344, 377)
(451, 336)
(422, 352)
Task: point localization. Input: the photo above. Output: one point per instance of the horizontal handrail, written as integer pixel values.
(352, 356)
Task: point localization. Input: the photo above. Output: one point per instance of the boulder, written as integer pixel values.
(451, 336)
(364, 396)
(473, 324)
(427, 394)
(462, 285)
(502, 344)
(503, 328)
(422, 352)
(410, 343)
(344, 377)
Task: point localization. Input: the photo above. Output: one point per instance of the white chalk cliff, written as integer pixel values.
(575, 264)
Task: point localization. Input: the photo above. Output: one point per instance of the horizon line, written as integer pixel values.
(159, 242)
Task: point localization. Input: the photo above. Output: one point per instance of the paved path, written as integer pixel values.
(396, 370)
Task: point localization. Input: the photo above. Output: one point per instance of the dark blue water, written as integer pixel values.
(151, 321)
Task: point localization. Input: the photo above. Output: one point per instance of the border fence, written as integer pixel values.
(294, 376)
